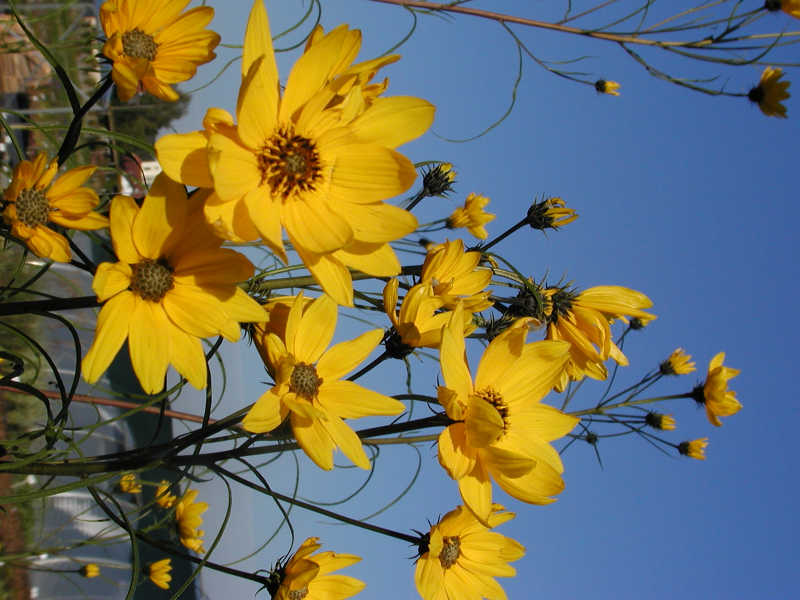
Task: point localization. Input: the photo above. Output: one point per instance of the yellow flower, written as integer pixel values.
(90, 570)
(550, 213)
(463, 557)
(438, 180)
(769, 93)
(188, 519)
(714, 393)
(607, 87)
(659, 421)
(694, 449)
(159, 573)
(129, 484)
(308, 388)
(306, 575)
(163, 496)
(173, 286)
(583, 319)
(456, 277)
(472, 216)
(790, 7)
(30, 205)
(293, 163)
(678, 363)
(154, 46)
(502, 430)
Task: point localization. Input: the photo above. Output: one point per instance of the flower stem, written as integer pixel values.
(502, 236)
(370, 366)
(599, 410)
(32, 306)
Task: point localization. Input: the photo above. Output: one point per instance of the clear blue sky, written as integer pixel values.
(686, 197)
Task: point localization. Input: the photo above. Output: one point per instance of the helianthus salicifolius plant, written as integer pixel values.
(455, 276)
(308, 387)
(307, 576)
(790, 7)
(502, 430)
(694, 448)
(472, 216)
(659, 421)
(714, 395)
(172, 286)
(460, 557)
(294, 163)
(604, 86)
(678, 363)
(154, 44)
(164, 498)
(130, 484)
(770, 92)
(35, 201)
(188, 521)
(159, 573)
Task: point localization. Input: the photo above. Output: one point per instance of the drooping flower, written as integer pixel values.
(502, 430)
(308, 388)
(129, 484)
(472, 216)
(188, 521)
(714, 394)
(164, 498)
(172, 286)
(31, 203)
(153, 44)
(90, 570)
(694, 448)
(306, 576)
(583, 319)
(159, 573)
(550, 213)
(460, 557)
(294, 163)
(678, 363)
(770, 92)
(607, 87)
(659, 421)
(455, 276)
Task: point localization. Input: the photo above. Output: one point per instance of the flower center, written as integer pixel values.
(495, 399)
(451, 550)
(298, 594)
(151, 279)
(33, 207)
(137, 44)
(304, 381)
(289, 164)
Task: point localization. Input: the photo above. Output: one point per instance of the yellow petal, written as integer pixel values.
(349, 400)
(314, 440)
(347, 440)
(257, 107)
(123, 212)
(476, 491)
(346, 356)
(184, 158)
(394, 121)
(111, 279)
(148, 344)
(258, 43)
(365, 173)
(316, 228)
(331, 274)
(69, 181)
(112, 330)
(455, 455)
(160, 221)
(374, 259)
(265, 414)
(315, 331)
(186, 355)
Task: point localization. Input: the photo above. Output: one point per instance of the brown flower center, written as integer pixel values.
(33, 208)
(304, 381)
(495, 399)
(289, 164)
(152, 279)
(137, 44)
(298, 594)
(451, 550)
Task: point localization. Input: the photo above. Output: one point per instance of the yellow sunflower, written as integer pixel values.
(678, 363)
(188, 521)
(307, 576)
(153, 44)
(694, 448)
(31, 202)
(472, 216)
(308, 388)
(463, 557)
(159, 573)
(714, 394)
(770, 92)
(172, 286)
(456, 277)
(502, 430)
(297, 163)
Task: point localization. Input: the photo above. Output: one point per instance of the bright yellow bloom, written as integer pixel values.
(659, 421)
(769, 93)
(308, 388)
(295, 163)
(188, 520)
(694, 449)
(456, 277)
(678, 363)
(550, 213)
(173, 286)
(583, 319)
(472, 216)
(30, 205)
(463, 557)
(129, 484)
(159, 573)
(163, 496)
(90, 570)
(714, 393)
(154, 46)
(502, 430)
(306, 575)
(607, 87)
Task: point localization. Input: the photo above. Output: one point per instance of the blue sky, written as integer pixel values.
(685, 197)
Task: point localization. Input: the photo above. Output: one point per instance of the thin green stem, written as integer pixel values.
(31, 306)
(599, 410)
